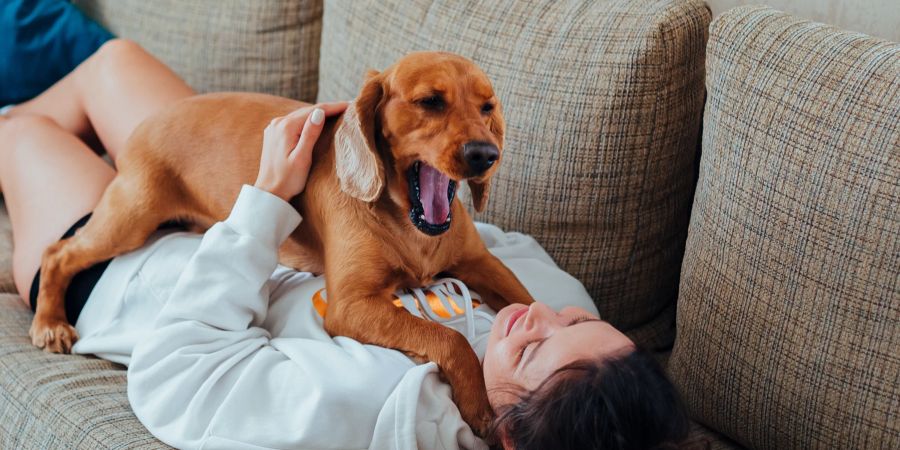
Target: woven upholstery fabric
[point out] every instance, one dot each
(602, 102)
(225, 45)
(60, 401)
(788, 316)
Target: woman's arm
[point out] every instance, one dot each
(209, 375)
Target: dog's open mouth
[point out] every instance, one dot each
(431, 193)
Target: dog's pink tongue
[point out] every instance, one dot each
(433, 187)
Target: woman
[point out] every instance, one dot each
(226, 349)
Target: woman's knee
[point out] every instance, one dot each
(118, 48)
(18, 131)
(27, 123)
(118, 54)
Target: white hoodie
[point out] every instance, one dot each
(226, 349)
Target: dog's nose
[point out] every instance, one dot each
(480, 156)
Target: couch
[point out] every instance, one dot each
(726, 191)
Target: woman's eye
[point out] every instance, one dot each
(487, 107)
(578, 320)
(433, 103)
(522, 351)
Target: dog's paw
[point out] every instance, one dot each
(54, 335)
(469, 393)
(478, 415)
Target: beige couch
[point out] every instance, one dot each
(782, 263)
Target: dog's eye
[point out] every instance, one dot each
(433, 102)
(487, 108)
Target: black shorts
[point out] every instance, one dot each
(82, 283)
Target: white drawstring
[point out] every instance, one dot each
(415, 300)
(467, 298)
(409, 303)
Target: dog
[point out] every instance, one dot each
(380, 210)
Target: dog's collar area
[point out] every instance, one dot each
(417, 212)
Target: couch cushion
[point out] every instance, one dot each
(60, 401)
(6, 276)
(602, 102)
(788, 316)
(225, 45)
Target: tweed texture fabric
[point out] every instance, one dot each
(225, 45)
(602, 102)
(789, 307)
(6, 277)
(50, 401)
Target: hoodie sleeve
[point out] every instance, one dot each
(420, 414)
(209, 376)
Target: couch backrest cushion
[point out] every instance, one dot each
(602, 101)
(225, 45)
(789, 307)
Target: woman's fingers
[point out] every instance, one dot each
(312, 129)
(288, 143)
(331, 109)
(293, 122)
(290, 126)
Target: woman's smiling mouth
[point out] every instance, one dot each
(513, 318)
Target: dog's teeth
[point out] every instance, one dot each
(422, 217)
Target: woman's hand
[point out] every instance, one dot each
(287, 148)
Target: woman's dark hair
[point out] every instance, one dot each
(620, 403)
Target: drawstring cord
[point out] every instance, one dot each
(445, 288)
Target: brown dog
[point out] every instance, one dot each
(379, 208)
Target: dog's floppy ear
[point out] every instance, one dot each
(482, 189)
(480, 193)
(357, 162)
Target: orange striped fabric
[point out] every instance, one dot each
(320, 303)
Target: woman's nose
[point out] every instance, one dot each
(540, 316)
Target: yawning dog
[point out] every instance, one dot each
(379, 208)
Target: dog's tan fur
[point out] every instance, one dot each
(189, 162)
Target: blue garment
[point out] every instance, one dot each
(40, 42)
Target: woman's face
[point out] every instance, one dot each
(528, 343)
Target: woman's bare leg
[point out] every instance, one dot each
(109, 94)
(48, 176)
(49, 179)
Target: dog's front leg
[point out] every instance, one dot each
(491, 279)
(357, 311)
